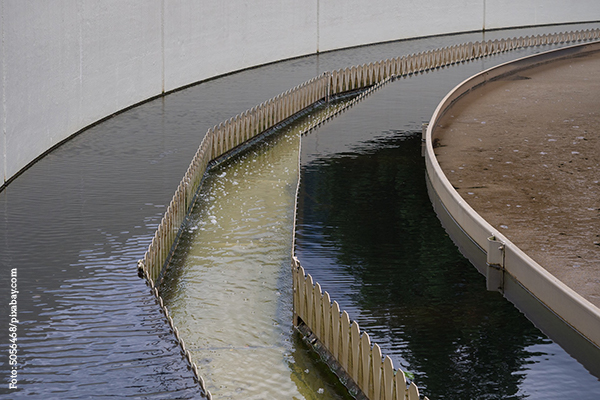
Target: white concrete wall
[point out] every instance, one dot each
(66, 64)
(356, 22)
(2, 101)
(512, 13)
(208, 38)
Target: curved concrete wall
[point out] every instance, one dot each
(505, 13)
(66, 64)
(567, 304)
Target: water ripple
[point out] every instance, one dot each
(76, 222)
(224, 287)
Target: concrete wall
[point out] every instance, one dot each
(208, 38)
(509, 13)
(356, 22)
(66, 64)
(2, 102)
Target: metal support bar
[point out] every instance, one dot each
(424, 127)
(495, 265)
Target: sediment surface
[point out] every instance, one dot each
(524, 153)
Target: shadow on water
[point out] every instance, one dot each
(414, 291)
(367, 232)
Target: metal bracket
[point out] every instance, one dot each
(495, 265)
(423, 135)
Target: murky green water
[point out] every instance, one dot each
(229, 286)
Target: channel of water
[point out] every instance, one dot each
(228, 288)
(76, 222)
(366, 230)
(367, 233)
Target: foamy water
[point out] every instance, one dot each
(229, 287)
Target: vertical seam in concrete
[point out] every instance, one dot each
(318, 23)
(81, 22)
(484, 15)
(3, 57)
(162, 43)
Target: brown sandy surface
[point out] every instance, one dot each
(524, 152)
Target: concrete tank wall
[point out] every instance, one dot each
(66, 64)
(362, 22)
(209, 38)
(509, 13)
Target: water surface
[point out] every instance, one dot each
(228, 286)
(76, 222)
(368, 234)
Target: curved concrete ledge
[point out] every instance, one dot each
(505, 261)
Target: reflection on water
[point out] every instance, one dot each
(367, 233)
(228, 287)
(76, 222)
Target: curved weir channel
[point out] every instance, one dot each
(228, 286)
(75, 224)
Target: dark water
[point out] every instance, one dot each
(367, 233)
(74, 224)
